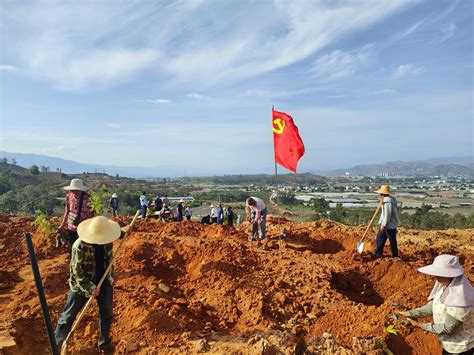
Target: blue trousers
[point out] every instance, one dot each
(75, 302)
(262, 222)
(143, 210)
(391, 234)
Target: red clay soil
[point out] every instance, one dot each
(188, 288)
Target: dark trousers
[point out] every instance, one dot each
(75, 302)
(71, 238)
(260, 223)
(188, 218)
(391, 234)
(468, 352)
(230, 220)
(114, 212)
(180, 217)
(143, 210)
(214, 219)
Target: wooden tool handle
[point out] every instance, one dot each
(83, 311)
(371, 221)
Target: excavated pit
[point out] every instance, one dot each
(188, 288)
(356, 287)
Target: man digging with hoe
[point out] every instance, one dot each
(91, 256)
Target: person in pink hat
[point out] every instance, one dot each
(451, 304)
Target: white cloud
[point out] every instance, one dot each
(100, 68)
(339, 64)
(80, 46)
(406, 70)
(8, 67)
(409, 30)
(447, 31)
(113, 125)
(159, 101)
(196, 96)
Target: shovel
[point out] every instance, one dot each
(360, 245)
(83, 311)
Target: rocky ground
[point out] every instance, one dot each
(190, 288)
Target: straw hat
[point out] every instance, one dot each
(384, 190)
(76, 185)
(212, 206)
(181, 200)
(444, 266)
(114, 195)
(98, 230)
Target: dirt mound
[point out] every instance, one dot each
(188, 288)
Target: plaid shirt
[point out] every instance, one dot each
(83, 268)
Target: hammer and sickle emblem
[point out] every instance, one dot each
(278, 125)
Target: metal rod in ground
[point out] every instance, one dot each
(277, 200)
(42, 298)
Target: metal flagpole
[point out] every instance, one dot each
(277, 194)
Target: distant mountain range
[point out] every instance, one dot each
(73, 167)
(448, 166)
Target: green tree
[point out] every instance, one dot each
(9, 202)
(5, 184)
(99, 201)
(339, 213)
(43, 224)
(287, 198)
(319, 204)
(34, 170)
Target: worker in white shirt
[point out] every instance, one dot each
(257, 206)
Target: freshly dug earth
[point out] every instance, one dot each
(189, 288)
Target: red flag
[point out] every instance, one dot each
(287, 143)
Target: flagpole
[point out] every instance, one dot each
(277, 196)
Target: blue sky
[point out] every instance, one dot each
(192, 83)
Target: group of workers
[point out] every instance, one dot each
(450, 305)
(218, 215)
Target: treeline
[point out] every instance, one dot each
(289, 179)
(27, 191)
(423, 217)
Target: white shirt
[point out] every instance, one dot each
(214, 212)
(462, 339)
(389, 215)
(259, 205)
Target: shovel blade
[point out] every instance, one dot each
(360, 247)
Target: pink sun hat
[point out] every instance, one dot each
(444, 266)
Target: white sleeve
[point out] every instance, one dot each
(460, 313)
(386, 210)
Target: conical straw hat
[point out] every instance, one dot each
(384, 190)
(76, 185)
(98, 230)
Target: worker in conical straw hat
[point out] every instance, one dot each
(388, 222)
(114, 204)
(91, 255)
(76, 210)
(451, 304)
